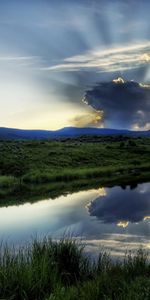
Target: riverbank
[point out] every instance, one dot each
(15, 194)
(49, 270)
(44, 168)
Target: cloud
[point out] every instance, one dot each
(118, 58)
(88, 119)
(17, 58)
(14, 61)
(124, 104)
(118, 208)
(145, 127)
(146, 57)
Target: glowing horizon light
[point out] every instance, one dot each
(49, 60)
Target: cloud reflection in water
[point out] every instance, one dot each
(121, 208)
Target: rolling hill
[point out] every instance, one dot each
(12, 133)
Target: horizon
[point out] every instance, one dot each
(73, 127)
(74, 149)
(82, 64)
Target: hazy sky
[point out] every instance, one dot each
(53, 52)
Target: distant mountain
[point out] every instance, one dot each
(12, 133)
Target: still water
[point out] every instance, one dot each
(114, 218)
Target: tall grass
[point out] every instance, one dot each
(61, 270)
(6, 181)
(70, 174)
(36, 189)
(106, 158)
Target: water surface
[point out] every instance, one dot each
(114, 218)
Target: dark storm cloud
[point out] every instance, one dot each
(125, 104)
(58, 48)
(118, 207)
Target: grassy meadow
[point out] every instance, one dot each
(60, 270)
(52, 270)
(40, 167)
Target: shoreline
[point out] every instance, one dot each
(34, 169)
(31, 192)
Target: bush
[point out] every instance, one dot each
(6, 181)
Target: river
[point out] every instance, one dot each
(114, 218)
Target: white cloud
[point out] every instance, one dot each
(143, 128)
(117, 58)
(16, 58)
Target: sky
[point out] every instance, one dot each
(75, 63)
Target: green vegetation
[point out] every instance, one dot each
(71, 162)
(51, 270)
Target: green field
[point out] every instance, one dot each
(50, 270)
(35, 168)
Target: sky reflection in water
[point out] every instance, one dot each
(115, 218)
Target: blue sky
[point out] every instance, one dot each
(52, 52)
